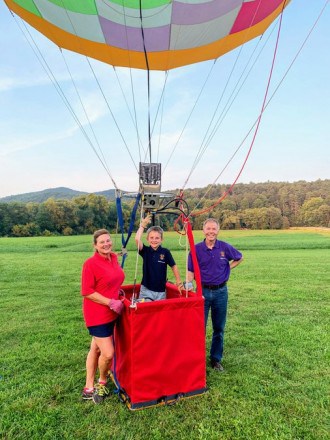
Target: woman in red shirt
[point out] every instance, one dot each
(102, 277)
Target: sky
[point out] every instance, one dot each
(42, 146)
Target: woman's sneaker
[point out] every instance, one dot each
(87, 393)
(101, 391)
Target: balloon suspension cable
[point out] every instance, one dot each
(190, 115)
(162, 103)
(193, 256)
(104, 97)
(183, 236)
(229, 190)
(149, 127)
(160, 110)
(112, 115)
(101, 154)
(34, 47)
(133, 299)
(268, 102)
(134, 115)
(186, 245)
(229, 103)
(215, 123)
(135, 121)
(187, 252)
(148, 79)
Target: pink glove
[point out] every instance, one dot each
(116, 305)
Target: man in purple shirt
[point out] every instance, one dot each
(215, 259)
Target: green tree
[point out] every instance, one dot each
(315, 212)
(27, 230)
(92, 213)
(44, 218)
(5, 220)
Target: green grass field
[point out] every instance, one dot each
(276, 383)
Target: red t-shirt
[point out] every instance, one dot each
(104, 276)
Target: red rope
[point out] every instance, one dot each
(193, 256)
(203, 211)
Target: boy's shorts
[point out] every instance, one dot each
(150, 295)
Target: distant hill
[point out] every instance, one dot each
(60, 193)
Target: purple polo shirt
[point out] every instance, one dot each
(214, 263)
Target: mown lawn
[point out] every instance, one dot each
(276, 383)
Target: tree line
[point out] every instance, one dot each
(253, 206)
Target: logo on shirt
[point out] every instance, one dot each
(222, 254)
(162, 257)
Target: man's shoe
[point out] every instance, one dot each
(217, 366)
(100, 393)
(87, 394)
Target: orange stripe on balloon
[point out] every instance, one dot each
(157, 60)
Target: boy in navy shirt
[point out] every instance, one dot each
(155, 262)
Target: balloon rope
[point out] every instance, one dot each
(149, 127)
(229, 103)
(107, 102)
(203, 211)
(60, 91)
(137, 254)
(104, 97)
(160, 110)
(88, 120)
(189, 116)
(186, 260)
(194, 257)
(139, 143)
(214, 126)
(112, 114)
(148, 80)
(131, 111)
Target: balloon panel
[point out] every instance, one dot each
(166, 33)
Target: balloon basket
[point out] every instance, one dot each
(160, 349)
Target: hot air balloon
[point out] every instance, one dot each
(149, 34)
(153, 35)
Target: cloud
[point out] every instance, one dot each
(24, 142)
(12, 83)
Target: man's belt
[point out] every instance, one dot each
(214, 286)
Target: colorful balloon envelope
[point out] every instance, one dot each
(149, 34)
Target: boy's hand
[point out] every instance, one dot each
(145, 221)
(188, 285)
(180, 287)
